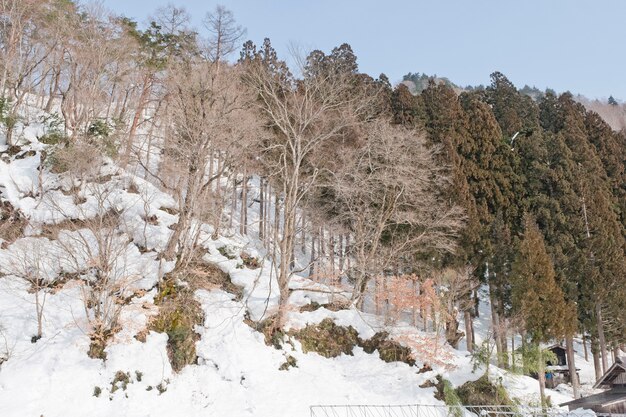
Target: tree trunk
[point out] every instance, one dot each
(347, 253)
(331, 253)
(219, 203)
(524, 347)
(414, 307)
(504, 342)
(233, 203)
(601, 338)
(495, 323)
(341, 254)
(595, 351)
(268, 219)
(303, 233)
(469, 340)
(243, 222)
(541, 373)
(276, 220)
(585, 348)
(54, 86)
(261, 209)
(312, 261)
(287, 242)
(569, 349)
(321, 254)
(39, 305)
(133, 127)
(513, 364)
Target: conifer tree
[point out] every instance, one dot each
(536, 297)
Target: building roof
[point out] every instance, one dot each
(617, 368)
(606, 398)
(556, 347)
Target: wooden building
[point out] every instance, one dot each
(558, 372)
(611, 401)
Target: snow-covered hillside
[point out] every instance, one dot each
(237, 373)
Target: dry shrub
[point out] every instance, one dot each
(250, 261)
(51, 231)
(200, 274)
(388, 350)
(12, 222)
(80, 159)
(327, 339)
(429, 348)
(336, 305)
(272, 335)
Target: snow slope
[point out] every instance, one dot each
(236, 374)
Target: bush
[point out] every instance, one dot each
(53, 133)
(482, 391)
(6, 118)
(98, 343)
(200, 274)
(272, 335)
(250, 261)
(12, 222)
(54, 138)
(99, 134)
(99, 128)
(227, 252)
(327, 339)
(445, 392)
(80, 158)
(388, 350)
(178, 315)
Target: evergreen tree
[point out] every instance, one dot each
(536, 298)
(514, 111)
(406, 107)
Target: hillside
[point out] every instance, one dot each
(236, 372)
(186, 233)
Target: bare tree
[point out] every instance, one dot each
(32, 260)
(208, 120)
(458, 285)
(86, 74)
(224, 34)
(386, 193)
(168, 35)
(304, 116)
(97, 251)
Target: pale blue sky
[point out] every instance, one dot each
(563, 44)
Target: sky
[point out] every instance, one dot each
(566, 45)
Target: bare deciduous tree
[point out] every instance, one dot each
(32, 261)
(304, 116)
(386, 194)
(209, 121)
(224, 34)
